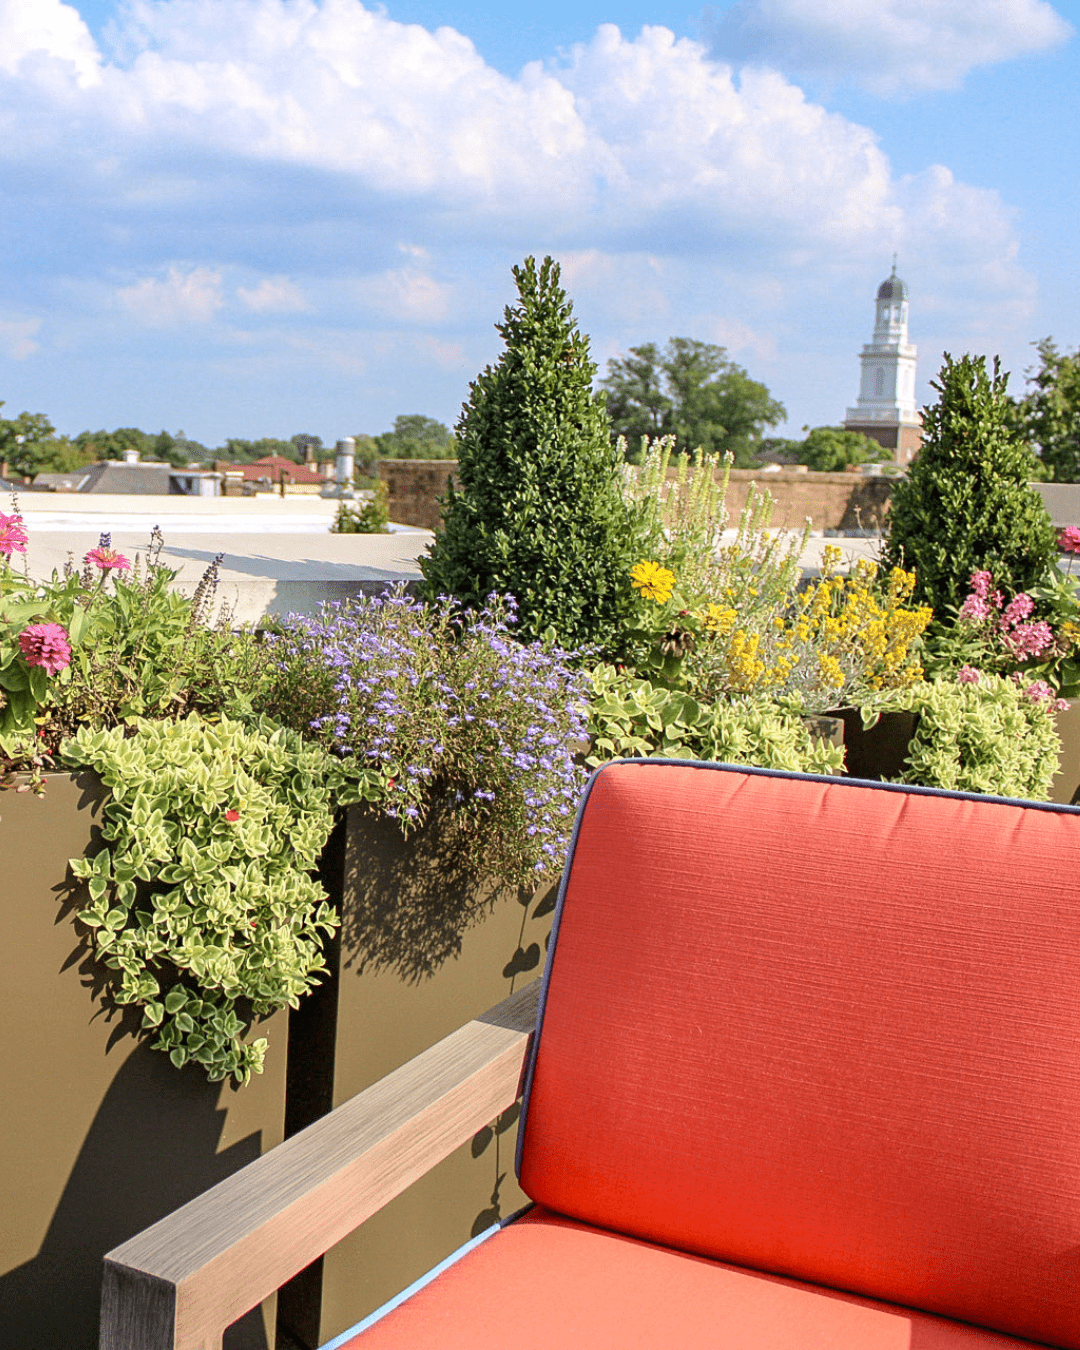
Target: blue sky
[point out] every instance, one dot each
(258, 217)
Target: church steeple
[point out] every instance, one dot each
(885, 409)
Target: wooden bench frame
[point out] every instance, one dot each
(178, 1284)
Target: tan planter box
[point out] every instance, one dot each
(99, 1134)
(423, 950)
(1066, 785)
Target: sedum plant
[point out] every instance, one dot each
(200, 899)
(629, 717)
(987, 734)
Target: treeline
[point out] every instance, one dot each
(30, 444)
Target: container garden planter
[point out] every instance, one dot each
(424, 946)
(100, 1134)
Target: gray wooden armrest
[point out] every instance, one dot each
(179, 1283)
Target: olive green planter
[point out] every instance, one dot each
(99, 1134)
(1066, 785)
(423, 948)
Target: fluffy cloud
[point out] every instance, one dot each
(17, 337)
(273, 295)
(887, 46)
(284, 148)
(180, 297)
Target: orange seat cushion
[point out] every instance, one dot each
(547, 1283)
(825, 1030)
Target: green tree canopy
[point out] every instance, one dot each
(539, 511)
(832, 449)
(1050, 413)
(967, 504)
(246, 452)
(692, 391)
(30, 446)
(416, 437)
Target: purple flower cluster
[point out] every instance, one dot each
(433, 703)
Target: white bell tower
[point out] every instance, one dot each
(885, 409)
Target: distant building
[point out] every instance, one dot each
(265, 475)
(133, 477)
(885, 409)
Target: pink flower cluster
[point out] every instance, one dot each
(1020, 639)
(1040, 692)
(46, 645)
(1069, 539)
(12, 535)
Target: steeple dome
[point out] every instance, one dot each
(892, 288)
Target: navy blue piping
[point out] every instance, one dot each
(910, 789)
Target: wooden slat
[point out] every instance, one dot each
(229, 1248)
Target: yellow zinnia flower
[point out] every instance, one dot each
(653, 581)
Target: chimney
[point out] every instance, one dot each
(131, 456)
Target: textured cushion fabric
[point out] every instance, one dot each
(822, 1029)
(548, 1283)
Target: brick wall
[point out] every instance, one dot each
(833, 501)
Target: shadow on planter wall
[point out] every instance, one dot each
(99, 1135)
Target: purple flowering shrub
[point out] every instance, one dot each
(425, 705)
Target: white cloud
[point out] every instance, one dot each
(17, 337)
(273, 295)
(887, 46)
(376, 180)
(406, 293)
(180, 297)
(43, 34)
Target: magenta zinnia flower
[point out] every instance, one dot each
(12, 534)
(107, 558)
(46, 645)
(1069, 539)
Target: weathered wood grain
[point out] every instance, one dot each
(231, 1247)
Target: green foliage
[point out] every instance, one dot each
(415, 437)
(539, 513)
(201, 900)
(692, 391)
(239, 451)
(832, 449)
(31, 446)
(137, 649)
(366, 515)
(1050, 413)
(302, 440)
(630, 717)
(966, 505)
(990, 736)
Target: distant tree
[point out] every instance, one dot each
(692, 391)
(112, 444)
(967, 504)
(303, 439)
(416, 437)
(1050, 412)
(246, 452)
(31, 446)
(539, 512)
(832, 449)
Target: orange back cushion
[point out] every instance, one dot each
(822, 1029)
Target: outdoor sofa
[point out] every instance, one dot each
(806, 1074)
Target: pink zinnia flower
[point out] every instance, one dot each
(12, 534)
(232, 817)
(968, 675)
(107, 558)
(1069, 539)
(46, 645)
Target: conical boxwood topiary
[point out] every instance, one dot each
(539, 513)
(967, 504)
